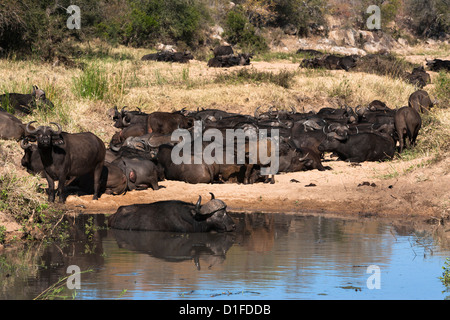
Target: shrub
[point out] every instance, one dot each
(301, 13)
(239, 31)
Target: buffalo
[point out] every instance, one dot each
(420, 101)
(359, 147)
(222, 51)
(407, 125)
(241, 59)
(113, 180)
(167, 122)
(11, 127)
(418, 77)
(25, 103)
(174, 216)
(140, 173)
(68, 155)
(169, 56)
(438, 64)
(331, 62)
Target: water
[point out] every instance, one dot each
(270, 256)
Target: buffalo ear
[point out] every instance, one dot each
(57, 140)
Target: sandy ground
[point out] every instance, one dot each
(346, 190)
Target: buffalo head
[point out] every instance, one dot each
(45, 136)
(215, 214)
(40, 98)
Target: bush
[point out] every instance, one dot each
(142, 23)
(428, 18)
(239, 31)
(301, 13)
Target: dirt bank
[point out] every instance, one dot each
(369, 189)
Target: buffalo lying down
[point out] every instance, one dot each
(174, 216)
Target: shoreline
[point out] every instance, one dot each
(346, 191)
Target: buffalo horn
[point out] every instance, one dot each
(27, 128)
(335, 136)
(24, 144)
(58, 126)
(197, 205)
(304, 158)
(125, 122)
(212, 195)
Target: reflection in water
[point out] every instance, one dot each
(270, 256)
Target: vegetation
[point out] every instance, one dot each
(283, 78)
(445, 278)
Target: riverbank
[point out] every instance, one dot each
(369, 189)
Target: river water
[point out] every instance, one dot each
(270, 256)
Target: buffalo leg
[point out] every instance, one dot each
(97, 176)
(61, 184)
(51, 188)
(401, 141)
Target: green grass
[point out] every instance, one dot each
(92, 83)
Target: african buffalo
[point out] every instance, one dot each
(169, 56)
(68, 155)
(11, 127)
(187, 172)
(418, 77)
(125, 118)
(174, 216)
(25, 103)
(222, 51)
(140, 173)
(167, 122)
(420, 101)
(359, 147)
(438, 64)
(241, 59)
(135, 130)
(113, 180)
(407, 125)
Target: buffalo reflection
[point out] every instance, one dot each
(176, 247)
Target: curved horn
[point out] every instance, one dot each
(58, 126)
(212, 195)
(122, 112)
(336, 136)
(125, 122)
(197, 205)
(24, 145)
(304, 158)
(27, 128)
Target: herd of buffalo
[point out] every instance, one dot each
(139, 153)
